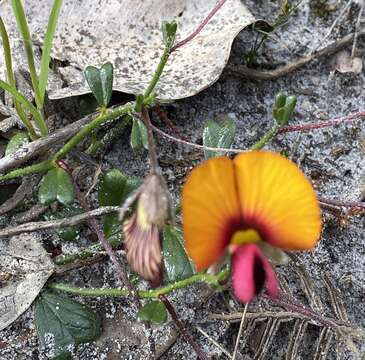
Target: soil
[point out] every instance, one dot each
(334, 158)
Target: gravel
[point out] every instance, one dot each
(333, 157)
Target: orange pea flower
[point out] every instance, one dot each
(257, 201)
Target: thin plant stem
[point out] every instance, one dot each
(213, 280)
(343, 203)
(158, 73)
(323, 124)
(200, 27)
(266, 138)
(190, 144)
(185, 334)
(214, 342)
(151, 142)
(57, 224)
(239, 332)
(122, 274)
(32, 109)
(357, 28)
(257, 146)
(92, 250)
(121, 271)
(88, 128)
(33, 169)
(168, 51)
(28, 46)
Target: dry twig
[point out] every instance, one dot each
(56, 224)
(248, 73)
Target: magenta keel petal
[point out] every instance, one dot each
(251, 272)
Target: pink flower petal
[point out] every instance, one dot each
(251, 271)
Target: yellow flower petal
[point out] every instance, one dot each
(277, 200)
(210, 210)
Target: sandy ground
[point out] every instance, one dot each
(334, 158)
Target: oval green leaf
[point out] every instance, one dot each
(176, 261)
(139, 139)
(112, 229)
(16, 142)
(56, 185)
(154, 311)
(62, 324)
(100, 82)
(218, 134)
(112, 188)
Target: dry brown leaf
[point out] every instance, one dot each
(127, 33)
(24, 269)
(344, 63)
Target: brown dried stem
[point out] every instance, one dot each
(248, 73)
(57, 224)
(341, 203)
(188, 338)
(155, 169)
(121, 271)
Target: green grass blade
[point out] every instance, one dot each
(48, 39)
(28, 46)
(7, 53)
(11, 79)
(27, 104)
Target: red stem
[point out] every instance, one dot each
(341, 203)
(121, 272)
(163, 117)
(322, 124)
(188, 338)
(200, 27)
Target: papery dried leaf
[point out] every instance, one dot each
(344, 63)
(25, 267)
(128, 34)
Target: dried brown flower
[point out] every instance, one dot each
(142, 230)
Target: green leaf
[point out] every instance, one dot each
(112, 188)
(16, 142)
(62, 324)
(218, 134)
(139, 137)
(112, 229)
(68, 233)
(100, 82)
(169, 33)
(177, 263)
(283, 108)
(56, 185)
(133, 183)
(46, 50)
(280, 100)
(23, 28)
(291, 102)
(154, 311)
(87, 104)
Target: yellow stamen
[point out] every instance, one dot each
(142, 218)
(245, 237)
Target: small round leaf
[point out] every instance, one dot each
(154, 311)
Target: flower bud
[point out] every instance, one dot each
(142, 230)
